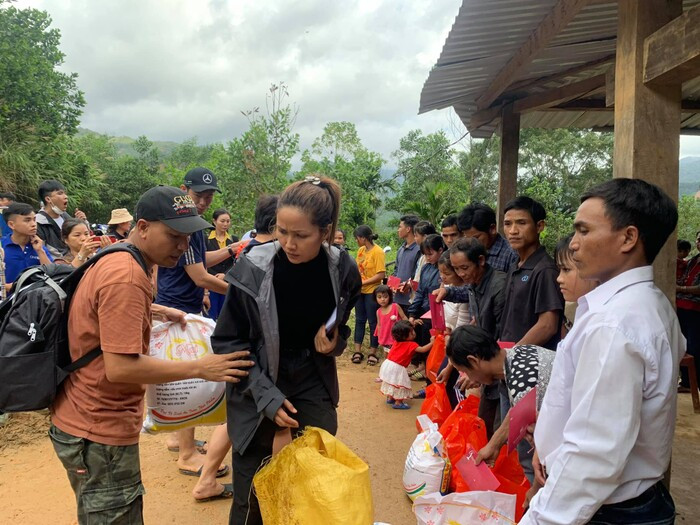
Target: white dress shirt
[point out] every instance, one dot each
(606, 426)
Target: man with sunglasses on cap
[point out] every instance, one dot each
(97, 415)
(183, 286)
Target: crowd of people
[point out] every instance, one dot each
(606, 375)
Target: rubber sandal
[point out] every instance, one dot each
(198, 444)
(420, 394)
(227, 493)
(223, 470)
(390, 400)
(417, 376)
(401, 406)
(357, 357)
(372, 360)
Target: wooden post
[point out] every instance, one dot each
(508, 164)
(647, 118)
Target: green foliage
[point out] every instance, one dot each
(688, 219)
(35, 97)
(260, 160)
(339, 153)
(433, 206)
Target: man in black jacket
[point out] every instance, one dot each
(54, 201)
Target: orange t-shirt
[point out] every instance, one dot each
(112, 309)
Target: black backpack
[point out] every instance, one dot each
(34, 354)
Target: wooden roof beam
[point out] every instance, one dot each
(558, 18)
(559, 95)
(594, 104)
(535, 82)
(672, 53)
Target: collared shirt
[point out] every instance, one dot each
(18, 259)
(501, 256)
(406, 262)
(531, 289)
(606, 426)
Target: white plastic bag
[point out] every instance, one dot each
(190, 402)
(465, 508)
(427, 467)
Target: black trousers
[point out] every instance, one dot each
(300, 381)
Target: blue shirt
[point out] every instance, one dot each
(175, 288)
(429, 281)
(18, 259)
(4, 228)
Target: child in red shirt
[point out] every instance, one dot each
(396, 384)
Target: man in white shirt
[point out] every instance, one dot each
(605, 430)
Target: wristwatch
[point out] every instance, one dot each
(230, 250)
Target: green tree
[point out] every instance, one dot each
(688, 219)
(339, 153)
(433, 205)
(35, 97)
(261, 159)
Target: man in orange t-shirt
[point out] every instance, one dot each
(97, 416)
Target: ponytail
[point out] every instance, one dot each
(317, 197)
(365, 232)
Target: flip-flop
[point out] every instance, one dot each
(227, 493)
(223, 470)
(417, 376)
(401, 406)
(198, 444)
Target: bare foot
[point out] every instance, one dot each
(191, 462)
(207, 489)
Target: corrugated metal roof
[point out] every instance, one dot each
(487, 33)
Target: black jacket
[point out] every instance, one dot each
(248, 321)
(49, 232)
(225, 265)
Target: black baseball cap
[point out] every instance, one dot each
(201, 179)
(171, 206)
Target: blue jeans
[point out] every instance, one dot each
(653, 507)
(366, 310)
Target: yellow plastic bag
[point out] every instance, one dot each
(315, 480)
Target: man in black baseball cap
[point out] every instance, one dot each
(97, 416)
(201, 180)
(182, 286)
(171, 206)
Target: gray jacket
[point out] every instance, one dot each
(248, 321)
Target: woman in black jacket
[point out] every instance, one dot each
(219, 238)
(288, 303)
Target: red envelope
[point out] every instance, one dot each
(522, 415)
(393, 282)
(506, 344)
(414, 285)
(437, 314)
(478, 477)
(427, 315)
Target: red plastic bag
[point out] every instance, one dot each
(463, 426)
(513, 481)
(436, 405)
(435, 358)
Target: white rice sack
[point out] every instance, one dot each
(190, 402)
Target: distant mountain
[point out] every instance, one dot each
(689, 176)
(124, 145)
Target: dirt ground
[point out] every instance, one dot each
(36, 491)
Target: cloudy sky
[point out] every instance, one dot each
(174, 69)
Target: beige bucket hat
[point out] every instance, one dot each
(119, 216)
